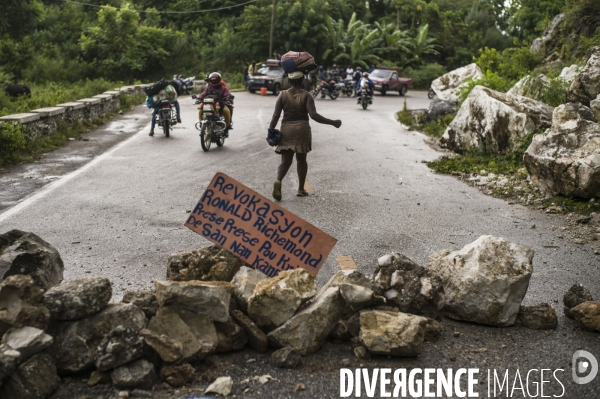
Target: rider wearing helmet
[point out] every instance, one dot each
(369, 90)
(215, 87)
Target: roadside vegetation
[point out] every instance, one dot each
(16, 147)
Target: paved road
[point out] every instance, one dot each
(121, 215)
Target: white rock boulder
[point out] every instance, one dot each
(586, 85)
(566, 158)
(276, 299)
(244, 283)
(485, 281)
(310, 327)
(392, 333)
(446, 87)
(493, 122)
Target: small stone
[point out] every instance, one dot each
(123, 394)
(287, 358)
(168, 349)
(362, 353)
(98, 377)
(178, 375)
(588, 314)
(538, 317)
(346, 362)
(139, 373)
(27, 341)
(221, 386)
(299, 387)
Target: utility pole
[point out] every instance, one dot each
(272, 28)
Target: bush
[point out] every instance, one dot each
(422, 77)
(12, 142)
(489, 79)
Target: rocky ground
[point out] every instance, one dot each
(581, 223)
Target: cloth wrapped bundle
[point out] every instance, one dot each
(168, 93)
(298, 61)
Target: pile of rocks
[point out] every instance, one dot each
(66, 328)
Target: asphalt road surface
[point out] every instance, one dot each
(121, 214)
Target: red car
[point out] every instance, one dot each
(387, 80)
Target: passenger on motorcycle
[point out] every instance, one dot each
(216, 88)
(356, 77)
(359, 87)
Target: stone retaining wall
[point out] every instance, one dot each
(44, 121)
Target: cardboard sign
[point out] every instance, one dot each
(257, 230)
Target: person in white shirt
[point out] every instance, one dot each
(349, 73)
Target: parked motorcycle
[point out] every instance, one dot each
(348, 88)
(431, 93)
(212, 125)
(166, 117)
(187, 85)
(323, 89)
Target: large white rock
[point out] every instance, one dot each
(309, 328)
(569, 73)
(393, 333)
(244, 283)
(539, 44)
(566, 158)
(209, 297)
(446, 87)
(586, 85)
(493, 122)
(529, 86)
(276, 299)
(485, 281)
(195, 332)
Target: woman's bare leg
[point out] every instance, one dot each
(302, 168)
(287, 157)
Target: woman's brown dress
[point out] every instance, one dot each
(295, 130)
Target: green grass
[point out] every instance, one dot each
(50, 94)
(574, 205)
(476, 162)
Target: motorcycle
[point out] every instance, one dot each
(166, 116)
(323, 88)
(212, 125)
(364, 98)
(187, 85)
(431, 93)
(348, 88)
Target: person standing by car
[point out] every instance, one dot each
(356, 77)
(296, 137)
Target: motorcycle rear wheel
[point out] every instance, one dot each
(334, 95)
(205, 136)
(315, 93)
(365, 103)
(166, 127)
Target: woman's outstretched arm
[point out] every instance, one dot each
(312, 111)
(277, 112)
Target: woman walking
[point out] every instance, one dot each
(297, 104)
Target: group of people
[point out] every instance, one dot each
(334, 74)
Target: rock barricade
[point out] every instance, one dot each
(409, 287)
(276, 299)
(211, 263)
(392, 333)
(77, 299)
(26, 253)
(485, 281)
(493, 122)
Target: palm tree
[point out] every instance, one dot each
(393, 40)
(340, 38)
(365, 49)
(422, 45)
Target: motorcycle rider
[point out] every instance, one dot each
(177, 84)
(156, 109)
(369, 90)
(216, 87)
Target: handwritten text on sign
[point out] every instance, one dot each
(257, 230)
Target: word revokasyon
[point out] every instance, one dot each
(266, 236)
(441, 383)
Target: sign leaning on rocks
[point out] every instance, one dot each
(257, 230)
